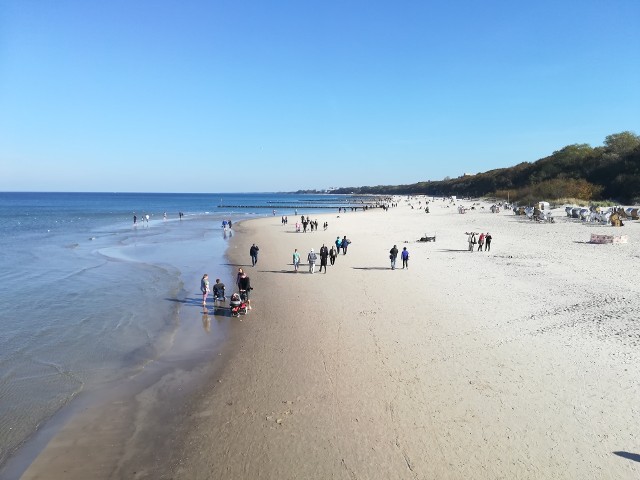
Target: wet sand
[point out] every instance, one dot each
(521, 362)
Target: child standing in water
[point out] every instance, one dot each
(204, 287)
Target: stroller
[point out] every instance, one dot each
(238, 304)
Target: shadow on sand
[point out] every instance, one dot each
(279, 271)
(372, 268)
(631, 456)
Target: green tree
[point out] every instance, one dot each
(621, 143)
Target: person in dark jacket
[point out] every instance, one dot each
(393, 254)
(244, 285)
(345, 244)
(253, 252)
(324, 255)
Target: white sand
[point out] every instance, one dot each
(521, 362)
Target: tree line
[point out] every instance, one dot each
(608, 172)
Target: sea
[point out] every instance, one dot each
(88, 298)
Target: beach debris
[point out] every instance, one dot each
(279, 421)
(602, 239)
(428, 238)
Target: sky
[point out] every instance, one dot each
(261, 96)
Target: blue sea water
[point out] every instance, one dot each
(87, 296)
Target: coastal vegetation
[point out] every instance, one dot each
(607, 172)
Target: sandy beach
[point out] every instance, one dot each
(519, 362)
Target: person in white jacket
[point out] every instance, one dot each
(312, 258)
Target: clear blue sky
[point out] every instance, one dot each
(219, 96)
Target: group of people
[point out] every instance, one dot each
(312, 224)
(342, 243)
(483, 241)
(205, 288)
(404, 255)
(145, 218)
(243, 283)
(326, 255)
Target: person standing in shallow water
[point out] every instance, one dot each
(204, 288)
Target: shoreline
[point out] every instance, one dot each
(183, 354)
(441, 371)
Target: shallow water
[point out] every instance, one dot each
(88, 298)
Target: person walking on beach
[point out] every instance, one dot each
(312, 258)
(204, 288)
(296, 260)
(405, 257)
(345, 244)
(244, 286)
(253, 252)
(472, 241)
(487, 242)
(393, 254)
(324, 255)
(332, 255)
(480, 242)
(338, 244)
